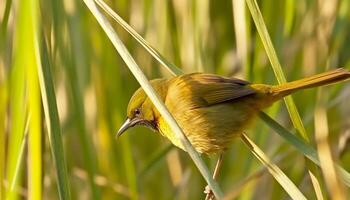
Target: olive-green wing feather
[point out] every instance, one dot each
(202, 90)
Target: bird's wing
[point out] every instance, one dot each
(202, 90)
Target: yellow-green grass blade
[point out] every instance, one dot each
(14, 184)
(277, 68)
(34, 138)
(289, 16)
(301, 146)
(274, 170)
(52, 123)
(167, 64)
(3, 105)
(153, 95)
(30, 8)
(17, 100)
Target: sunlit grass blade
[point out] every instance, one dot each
(240, 24)
(17, 99)
(274, 170)
(52, 122)
(141, 78)
(301, 146)
(34, 104)
(323, 149)
(168, 65)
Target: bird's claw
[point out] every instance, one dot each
(209, 193)
(207, 190)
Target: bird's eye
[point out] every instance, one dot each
(137, 111)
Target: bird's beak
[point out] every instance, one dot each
(127, 124)
(124, 127)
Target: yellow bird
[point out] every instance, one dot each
(212, 110)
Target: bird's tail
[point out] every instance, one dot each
(325, 78)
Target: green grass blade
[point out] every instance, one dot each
(34, 104)
(301, 146)
(88, 153)
(53, 124)
(275, 171)
(153, 96)
(168, 65)
(276, 66)
(130, 170)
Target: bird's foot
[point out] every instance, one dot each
(209, 193)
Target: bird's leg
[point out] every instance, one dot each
(207, 189)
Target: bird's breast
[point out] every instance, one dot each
(209, 129)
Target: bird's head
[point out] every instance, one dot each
(141, 110)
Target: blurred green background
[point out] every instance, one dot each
(93, 85)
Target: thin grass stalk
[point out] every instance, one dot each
(277, 68)
(324, 151)
(301, 146)
(141, 78)
(252, 178)
(172, 68)
(34, 104)
(274, 170)
(52, 122)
